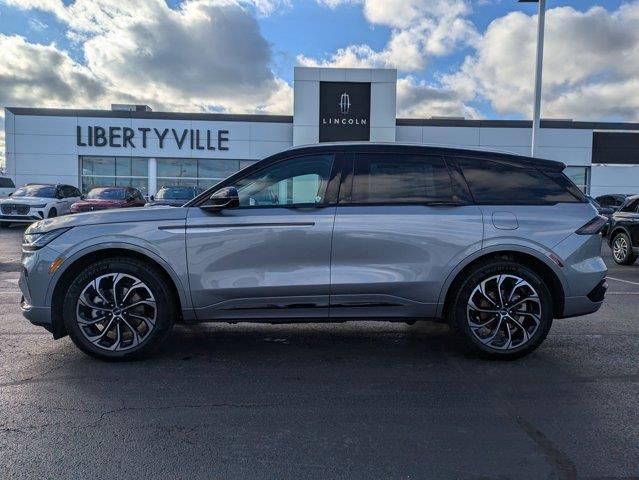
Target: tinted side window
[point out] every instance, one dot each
(6, 183)
(631, 206)
(68, 191)
(501, 181)
(297, 181)
(400, 178)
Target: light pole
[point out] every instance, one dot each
(541, 17)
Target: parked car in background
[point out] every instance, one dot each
(104, 198)
(7, 187)
(613, 200)
(605, 211)
(496, 245)
(36, 201)
(174, 196)
(623, 236)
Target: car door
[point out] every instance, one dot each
(403, 222)
(628, 218)
(269, 258)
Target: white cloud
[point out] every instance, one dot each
(420, 29)
(43, 75)
(206, 55)
(591, 64)
(417, 99)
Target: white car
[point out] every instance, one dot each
(34, 202)
(6, 187)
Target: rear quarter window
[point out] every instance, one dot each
(494, 181)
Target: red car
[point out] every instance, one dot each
(103, 198)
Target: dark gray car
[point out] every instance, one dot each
(496, 245)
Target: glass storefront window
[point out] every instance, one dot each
(177, 182)
(122, 167)
(217, 168)
(177, 167)
(139, 167)
(133, 171)
(114, 171)
(580, 177)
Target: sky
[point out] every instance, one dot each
(471, 58)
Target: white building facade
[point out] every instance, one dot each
(135, 146)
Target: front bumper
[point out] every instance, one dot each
(34, 284)
(40, 316)
(21, 218)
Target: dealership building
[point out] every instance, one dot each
(133, 145)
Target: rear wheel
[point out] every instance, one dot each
(622, 252)
(502, 309)
(119, 309)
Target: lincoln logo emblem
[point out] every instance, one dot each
(344, 103)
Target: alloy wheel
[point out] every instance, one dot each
(504, 312)
(620, 249)
(116, 312)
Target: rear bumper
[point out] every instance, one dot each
(583, 305)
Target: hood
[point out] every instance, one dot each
(99, 202)
(173, 203)
(26, 200)
(124, 215)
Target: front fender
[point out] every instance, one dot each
(170, 255)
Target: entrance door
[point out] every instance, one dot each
(269, 258)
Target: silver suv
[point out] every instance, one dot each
(496, 245)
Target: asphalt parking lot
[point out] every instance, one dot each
(357, 400)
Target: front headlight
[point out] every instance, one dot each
(38, 206)
(35, 241)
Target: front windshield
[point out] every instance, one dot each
(175, 193)
(106, 194)
(44, 191)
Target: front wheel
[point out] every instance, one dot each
(52, 213)
(502, 309)
(622, 252)
(119, 309)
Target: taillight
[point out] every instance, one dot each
(594, 226)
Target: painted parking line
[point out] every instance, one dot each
(622, 280)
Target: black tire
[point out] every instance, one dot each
(459, 315)
(52, 213)
(4, 224)
(620, 255)
(166, 307)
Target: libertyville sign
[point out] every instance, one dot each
(125, 137)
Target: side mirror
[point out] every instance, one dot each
(10, 194)
(224, 198)
(83, 196)
(152, 198)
